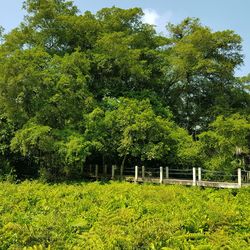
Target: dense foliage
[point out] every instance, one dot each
(83, 88)
(122, 216)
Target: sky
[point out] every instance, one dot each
(216, 14)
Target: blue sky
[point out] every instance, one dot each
(217, 14)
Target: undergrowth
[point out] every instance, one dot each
(116, 215)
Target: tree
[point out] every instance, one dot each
(220, 144)
(6, 133)
(81, 87)
(35, 143)
(125, 55)
(201, 75)
(22, 83)
(36, 85)
(130, 129)
(44, 24)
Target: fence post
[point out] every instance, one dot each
(239, 177)
(199, 174)
(105, 170)
(194, 176)
(161, 175)
(113, 172)
(143, 172)
(136, 174)
(167, 173)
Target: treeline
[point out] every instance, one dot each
(106, 88)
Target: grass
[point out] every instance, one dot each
(117, 215)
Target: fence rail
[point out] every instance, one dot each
(166, 175)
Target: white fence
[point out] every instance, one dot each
(166, 175)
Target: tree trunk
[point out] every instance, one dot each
(122, 166)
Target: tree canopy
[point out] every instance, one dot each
(80, 88)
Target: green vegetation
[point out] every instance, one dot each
(105, 88)
(122, 216)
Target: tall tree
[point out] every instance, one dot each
(201, 75)
(80, 87)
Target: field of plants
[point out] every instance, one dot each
(114, 215)
(104, 87)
